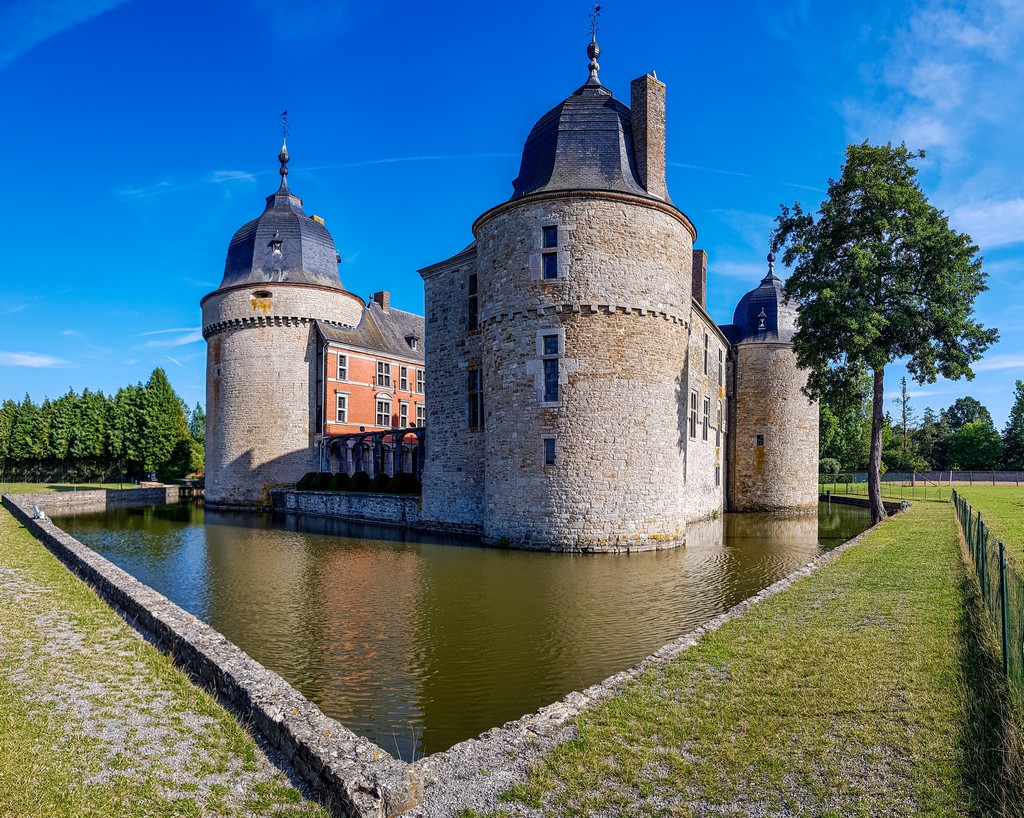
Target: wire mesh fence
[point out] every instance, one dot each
(856, 485)
(1002, 588)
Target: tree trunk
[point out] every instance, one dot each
(875, 459)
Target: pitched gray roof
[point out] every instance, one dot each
(380, 330)
(585, 143)
(283, 244)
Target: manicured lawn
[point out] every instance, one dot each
(35, 488)
(1002, 509)
(95, 721)
(864, 689)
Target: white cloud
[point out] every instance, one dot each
(27, 23)
(190, 336)
(30, 359)
(1006, 360)
(219, 176)
(991, 223)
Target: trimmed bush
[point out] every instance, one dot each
(828, 467)
(322, 481)
(306, 481)
(360, 481)
(339, 482)
(844, 478)
(404, 483)
(379, 484)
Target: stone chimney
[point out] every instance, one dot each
(647, 101)
(383, 298)
(700, 278)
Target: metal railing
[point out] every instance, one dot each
(891, 489)
(1002, 589)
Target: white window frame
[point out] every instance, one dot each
(421, 414)
(693, 414)
(384, 373)
(403, 378)
(342, 367)
(419, 381)
(384, 411)
(706, 422)
(341, 407)
(403, 414)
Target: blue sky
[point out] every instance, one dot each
(140, 135)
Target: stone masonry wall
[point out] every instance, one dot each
(453, 468)
(261, 372)
(620, 308)
(706, 449)
(781, 474)
(63, 503)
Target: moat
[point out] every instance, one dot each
(419, 642)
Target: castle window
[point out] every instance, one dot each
(474, 400)
(261, 294)
(421, 414)
(403, 379)
(550, 265)
(760, 440)
(342, 411)
(384, 413)
(419, 381)
(550, 237)
(549, 451)
(403, 414)
(343, 367)
(721, 367)
(707, 341)
(718, 428)
(549, 352)
(693, 414)
(718, 475)
(383, 374)
(707, 417)
(472, 323)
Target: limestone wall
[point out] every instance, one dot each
(619, 308)
(261, 372)
(63, 503)
(706, 458)
(779, 472)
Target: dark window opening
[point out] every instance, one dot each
(550, 265)
(760, 440)
(550, 237)
(549, 451)
(471, 305)
(475, 399)
(551, 380)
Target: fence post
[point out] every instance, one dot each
(1002, 601)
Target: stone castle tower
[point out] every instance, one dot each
(566, 327)
(262, 367)
(774, 440)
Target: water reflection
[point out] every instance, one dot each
(419, 642)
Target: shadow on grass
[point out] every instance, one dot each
(990, 752)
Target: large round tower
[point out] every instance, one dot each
(584, 280)
(774, 426)
(281, 275)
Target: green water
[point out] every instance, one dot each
(419, 642)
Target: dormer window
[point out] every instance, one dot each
(760, 319)
(275, 244)
(413, 341)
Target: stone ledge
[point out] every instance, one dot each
(355, 777)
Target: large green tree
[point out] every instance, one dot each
(975, 445)
(966, 410)
(1013, 433)
(880, 276)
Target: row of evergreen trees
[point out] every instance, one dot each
(142, 429)
(962, 436)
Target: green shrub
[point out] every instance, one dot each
(404, 483)
(306, 481)
(339, 482)
(360, 481)
(829, 468)
(844, 478)
(379, 484)
(322, 481)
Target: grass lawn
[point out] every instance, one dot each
(95, 721)
(38, 488)
(863, 690)
(1002, 509)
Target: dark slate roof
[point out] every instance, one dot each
(585, 143)
(380, 330)
(306, 252)
(763, 314)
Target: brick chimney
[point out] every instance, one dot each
(700, 278)
(647, 102)
(383, 298)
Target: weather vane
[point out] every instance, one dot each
(284, 124)
(593, 22)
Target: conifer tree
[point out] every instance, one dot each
(1013, 433)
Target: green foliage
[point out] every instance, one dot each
(1013, 433)
(163, 422)
(880, 276)
(975, 445)
(360, 481)
(339, 482)
(404, 483)
(828, 467)
(931, 439)
(379, 484)
(322, 481)
(966, 410)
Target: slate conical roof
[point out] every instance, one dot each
(283, 244)
(584, 143)
(764, 314)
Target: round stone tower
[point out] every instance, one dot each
(281, 275)
(584, 280)
(774, 426)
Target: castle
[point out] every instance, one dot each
(579, 396)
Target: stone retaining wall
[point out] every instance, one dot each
(356, 777)
(63, 503)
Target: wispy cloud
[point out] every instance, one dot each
(175, 361)
(27, 23)
(185, 335)
(992, 223)
(1006, 360)
(742, 175)
(30, 359)
(13, 308)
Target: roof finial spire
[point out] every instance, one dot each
(771, 267)
(283, 157)
(594, 50)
